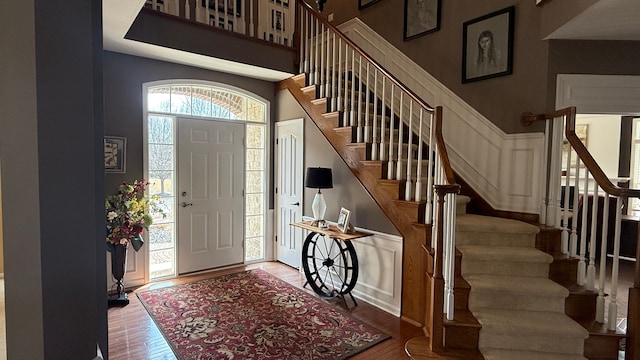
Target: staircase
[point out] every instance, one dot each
(513, 292)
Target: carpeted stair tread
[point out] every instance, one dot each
(505, 354)
(529, 323)
(480, 223)
(540, 287)
(504, 253)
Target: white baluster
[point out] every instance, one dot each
(418, 196)
(613, 304)
(359, 112)
(338, 100)
(591, 269)
(401, 156)
(345, 107)
(573, 238)
(383, 121)
(451, 241)
(408, 186)
(352, 107)
(367, 124)
(390, 167)
(333, 88)
(374, 140)
(321, 78)
(565, 211)
(582, 264)
(432, 154)
(603, 260)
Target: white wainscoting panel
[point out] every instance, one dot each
(481, 153)
(380, 270)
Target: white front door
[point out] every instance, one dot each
(289, 175)
(210, 194)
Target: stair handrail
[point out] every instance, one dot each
(590, 163)
(362, 53)
(558, 216)
(321, 47)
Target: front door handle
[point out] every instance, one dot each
(296, 204)
(185, 204)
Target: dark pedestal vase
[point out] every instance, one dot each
(118, 268)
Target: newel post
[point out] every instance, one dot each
(632, 348)
(436, 309)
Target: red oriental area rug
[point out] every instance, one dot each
(253, 315)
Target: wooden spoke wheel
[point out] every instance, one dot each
(330, 265)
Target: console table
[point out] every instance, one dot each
(329, 261)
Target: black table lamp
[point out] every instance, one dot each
(318, 178)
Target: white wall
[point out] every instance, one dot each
(603, 139)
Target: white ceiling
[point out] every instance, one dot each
(118, 15)
(605, 20)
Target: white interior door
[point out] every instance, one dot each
(289, 188)
(210, 194)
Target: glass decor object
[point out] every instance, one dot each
(318, 178)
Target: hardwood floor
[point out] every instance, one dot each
(134, 336)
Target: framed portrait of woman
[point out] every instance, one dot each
(487, 46)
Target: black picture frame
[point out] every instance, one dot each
(495, 32)
(366, 3)
(421, 17)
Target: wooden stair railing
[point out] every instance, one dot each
(392, 142)
(582, 242)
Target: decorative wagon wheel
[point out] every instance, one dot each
(330, 265)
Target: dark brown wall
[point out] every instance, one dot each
(502, 100)
(124, 76)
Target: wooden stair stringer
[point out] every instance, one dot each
(413, 268)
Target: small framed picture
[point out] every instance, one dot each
(115, 155)
(487, 46)
(421, 17)
(343, 220)
(364, 3)
(277, 19)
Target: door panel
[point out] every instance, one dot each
(289, 185)
(211, 189)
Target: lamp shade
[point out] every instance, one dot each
(318, 178)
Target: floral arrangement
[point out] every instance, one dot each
(128, 214)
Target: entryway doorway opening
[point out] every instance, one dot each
(167, 105)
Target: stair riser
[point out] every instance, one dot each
(556, 344)
(471, 266)
(495, 239)
(531, 302)
(601, 347)
(580, 306)
(461, 337)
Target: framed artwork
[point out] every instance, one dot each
(487, 46)
(421, 17)
(115, 154)
(364, 3)
(277, 19)
(343, 220)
